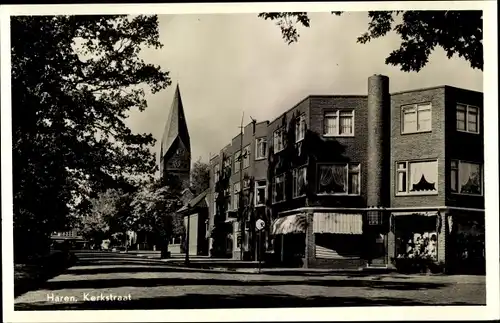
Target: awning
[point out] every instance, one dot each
(339, 223)
(295, 223)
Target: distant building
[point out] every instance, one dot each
(175, 151)
(345, 181)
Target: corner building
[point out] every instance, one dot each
(347, 181)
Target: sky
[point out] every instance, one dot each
(230, 64)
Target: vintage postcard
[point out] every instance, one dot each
(246, 162)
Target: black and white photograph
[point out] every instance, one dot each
(231, 160)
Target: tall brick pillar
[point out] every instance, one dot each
(310, 252)
(377, 168)
(378, 141)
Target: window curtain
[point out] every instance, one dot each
(424, 118)
(423, 176)
(301, 181)
(330, 125)
(345, 123)
(332, 179)
(470, 178)
(410, 120)
(354, 179)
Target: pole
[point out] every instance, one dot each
(259, 247)
(240, 207)
(186, 261)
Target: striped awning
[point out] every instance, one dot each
(339, 223)
(295, 223)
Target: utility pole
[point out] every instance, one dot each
(240, 200)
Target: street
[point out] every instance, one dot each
(101, 280)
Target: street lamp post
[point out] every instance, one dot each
(186, 260)
(240, 208)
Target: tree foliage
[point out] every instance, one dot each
(457, 32)
(74, 80)
(153, 210)
(200, 177)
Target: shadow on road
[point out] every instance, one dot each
(154, 282)
(197, 301)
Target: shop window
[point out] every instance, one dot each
(416, 236)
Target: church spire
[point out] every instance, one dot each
(176, 126)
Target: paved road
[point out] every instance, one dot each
(134, 283)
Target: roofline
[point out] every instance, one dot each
(435, 88)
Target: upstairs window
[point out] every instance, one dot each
(418, 177)
(466, 177)
(236, 195)
(278, 140)
(279, 188)
(299, 181)
(339, 123)
(216, 173)
(467, 118)
(237, 161)
(246, 157)
(260, 193)
(300, 128)
(339, 179)
(416, 118)
(260, 148)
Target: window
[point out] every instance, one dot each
(236, 195)
(260, 193)
(467, 118)
(401, 174)
(278, 138)
(339, 123)
(299, 181)
(339, 179)
(466, 178)
(227, 162)
(237, 161)
(416, 118)
(215, 203)
(246, 157)
(418, 177)
(260, 148)
(300, 128)
(216, 173)
(279, 188)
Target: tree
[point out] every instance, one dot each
(200, 177)
(109, 216)
(153, 210)
(457, 32)
(74, 79)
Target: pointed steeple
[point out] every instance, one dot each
(176, 126)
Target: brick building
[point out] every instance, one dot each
(351, 180)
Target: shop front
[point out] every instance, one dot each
(320, 239)
(444, 241)
(466, 242)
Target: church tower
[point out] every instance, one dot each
(175, 151)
